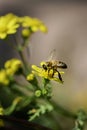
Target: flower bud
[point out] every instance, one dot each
(26, 33)
(38, 93)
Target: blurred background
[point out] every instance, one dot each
(67, 33)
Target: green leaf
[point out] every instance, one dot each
(24, 102)
(12, 107)
(42, 109)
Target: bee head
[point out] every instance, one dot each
(43, 64)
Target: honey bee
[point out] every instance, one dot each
(54, 65)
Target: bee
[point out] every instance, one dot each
(54, 65)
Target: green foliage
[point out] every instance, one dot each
(41, 109)
(80, 120)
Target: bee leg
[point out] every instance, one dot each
(59, 75)
(52, 74)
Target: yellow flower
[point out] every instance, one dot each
(4, 77)
(30, 77)
(45, 74)
(12, 66)
(8, 25)
(43, 28)
(26, 21)
(33, 24)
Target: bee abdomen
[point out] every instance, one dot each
(62, 65)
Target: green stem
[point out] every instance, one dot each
(25, 43)
(20, 47)
(26, 70)
(45, 82)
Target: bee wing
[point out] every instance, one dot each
(52, 55)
